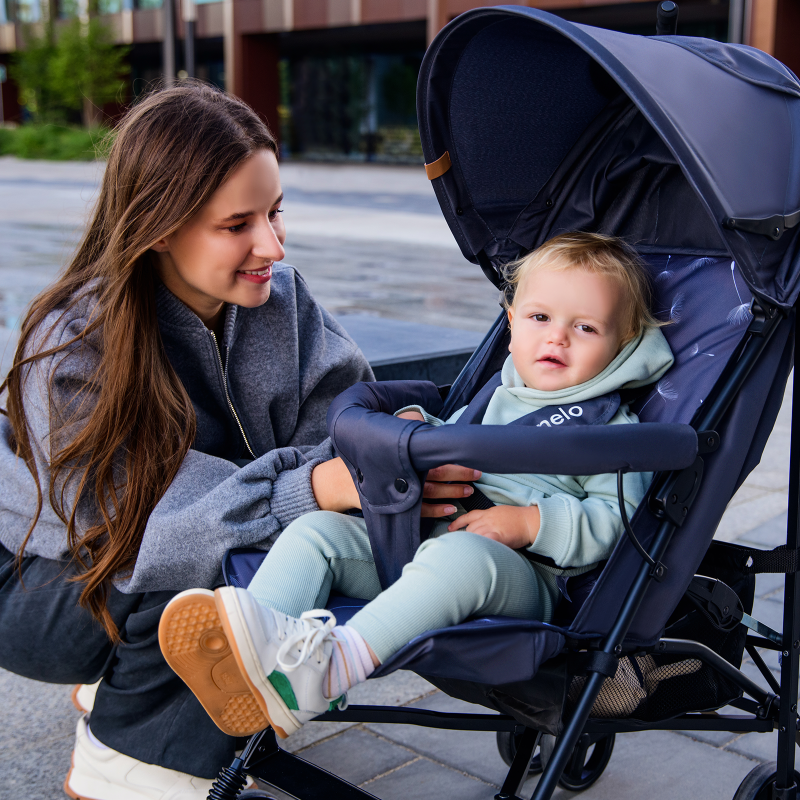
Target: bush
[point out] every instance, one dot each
(54, 142)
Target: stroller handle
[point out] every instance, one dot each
(584, 450)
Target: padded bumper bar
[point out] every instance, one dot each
(388, 457)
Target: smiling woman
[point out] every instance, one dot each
(167, 402)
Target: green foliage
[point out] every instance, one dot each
(31, 70)
(55, 142)
(87, 67)
(75, 69)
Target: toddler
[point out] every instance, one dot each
(580, 330)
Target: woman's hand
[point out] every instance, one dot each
(437, 488)
(514, 526)
(333, 487)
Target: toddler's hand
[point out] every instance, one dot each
(411, 415)
(513, 526)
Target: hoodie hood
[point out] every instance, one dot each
(643, 360)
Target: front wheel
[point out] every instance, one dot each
(587, 762)
(758, 783)
(507, 747)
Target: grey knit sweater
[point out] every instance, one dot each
(265, 389)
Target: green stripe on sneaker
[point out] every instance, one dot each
(284, 689)
(334, 704)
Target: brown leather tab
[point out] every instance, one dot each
(438, 168)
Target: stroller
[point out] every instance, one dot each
(687, 148)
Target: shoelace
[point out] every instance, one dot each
(311, 632)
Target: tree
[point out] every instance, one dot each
(31, 69)
(75, 69)
(88, 69)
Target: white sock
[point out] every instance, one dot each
(350, 664)
(95, 741)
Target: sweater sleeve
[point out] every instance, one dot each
(579, 531)
(212, 506)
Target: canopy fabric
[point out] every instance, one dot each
(516, 95)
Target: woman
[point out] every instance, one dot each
(172, 351)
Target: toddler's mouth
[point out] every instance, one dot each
(556, 362)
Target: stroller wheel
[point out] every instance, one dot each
(758, 783)
(589, 759)
(507, 747)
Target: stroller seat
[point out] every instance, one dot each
(532, 126)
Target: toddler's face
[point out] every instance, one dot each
(564, 327)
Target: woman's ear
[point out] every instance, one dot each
(161, 246)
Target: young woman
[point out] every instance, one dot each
(167, 402)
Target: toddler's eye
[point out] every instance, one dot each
(541, 317)
(587, 328)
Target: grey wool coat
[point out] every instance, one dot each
(263, 392)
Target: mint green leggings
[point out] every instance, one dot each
(453, 576)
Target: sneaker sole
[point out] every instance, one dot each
(197, 648)
(272, 705)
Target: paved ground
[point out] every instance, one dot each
(368, 240)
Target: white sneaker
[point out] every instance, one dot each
(104, 774)
(281, 659)
(83, 696)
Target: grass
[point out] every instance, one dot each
(53, 142)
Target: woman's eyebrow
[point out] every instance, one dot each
(245, 214)
(238, 215)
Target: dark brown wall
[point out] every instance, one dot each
(257, 68)
(11, 109)
(787, 34)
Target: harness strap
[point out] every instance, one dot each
(781, 561)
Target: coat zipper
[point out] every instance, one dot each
(224, 371)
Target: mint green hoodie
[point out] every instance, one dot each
(580, 519)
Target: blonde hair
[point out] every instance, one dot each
(601, 255)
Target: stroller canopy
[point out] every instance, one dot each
(677, 143)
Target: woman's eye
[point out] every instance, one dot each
(236, 228)
(273, 215)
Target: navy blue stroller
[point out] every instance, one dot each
(690, 150)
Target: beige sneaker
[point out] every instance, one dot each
(83, 696)
(104, 774)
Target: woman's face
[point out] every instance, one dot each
(225, 253)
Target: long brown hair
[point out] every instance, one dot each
(172, 151)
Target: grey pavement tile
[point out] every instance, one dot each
(358, 756)
(715, 738)
(422, 779)
(739, 520)
(759, 746)
(399, 688)
(39, 778)
(768, 584)
(666, 766)
(769, 534)
(473, 752)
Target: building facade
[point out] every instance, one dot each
(336, 78)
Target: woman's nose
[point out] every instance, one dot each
(268, 243)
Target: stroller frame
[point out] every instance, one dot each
(671, 494)
(765, 709)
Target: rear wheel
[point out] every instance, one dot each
(507, 747)
(587, 763)
(758, 783)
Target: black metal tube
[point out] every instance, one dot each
(567, 740)
(787, 717)
(751, 352)
(667, 18)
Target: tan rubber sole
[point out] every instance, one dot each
(255, 693)
(197, 647)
